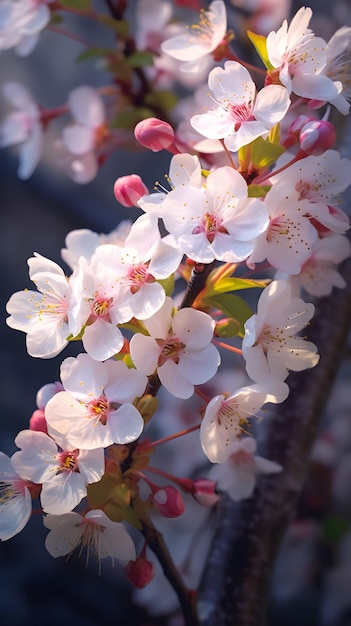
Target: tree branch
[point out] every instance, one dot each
(234, 586)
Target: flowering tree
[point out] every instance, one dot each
(250, 205)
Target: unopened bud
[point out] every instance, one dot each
(316, 137)
(168, 501)
(205, 492)
(294, 130)
(140, 572)
(129, 189)
(155, 134)
(46, 392)
(38, 422)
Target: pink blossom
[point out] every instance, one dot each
(22, 128)
(96, 409)
(237, 475)
(179, 348)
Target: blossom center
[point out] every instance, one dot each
(100, 307)
(204, 29)
(138, 275)
(272, 338)
(68, 461)
(279, 227)
(210, 224)
(99, 409)
(241, 113)
(171, 348)
(101, 134)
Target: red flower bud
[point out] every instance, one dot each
(129, 189)
(141, 571)
(204, 492)
(155, 134)
(38, 421)
(168, 501)
(316, 137)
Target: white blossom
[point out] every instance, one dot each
(241, 115)
(64, 473)
(226, 417)
(238, 474)
(15, 500)
(178, 347)
(270, 345)
(96, 409)
(22, 128)
(93, 532)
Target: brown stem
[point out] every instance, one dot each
(233, 591)
(196, 283)
(186, 597)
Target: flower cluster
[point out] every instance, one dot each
(155, 302)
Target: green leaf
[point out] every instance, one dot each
(140, 58)
(225, 285)
(231, 306)
(56, 18)
(259, 42)
(128, 118)
(164, 100)
(258, 191)
(80, 5)
(167, 284)
(121, 27)
(227, 328)
(264, 153)
(93, 53)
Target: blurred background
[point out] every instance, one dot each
(312, 582)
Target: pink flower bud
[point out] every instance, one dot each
(38, 421)
(316, 137)
(293, 134)
(141, 571)
(204, 492)
(155, 134)
(168, 501)
(129, 189)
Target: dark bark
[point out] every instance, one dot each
(235, 582)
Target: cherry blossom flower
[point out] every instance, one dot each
(319, 273)
(179, 348)
(22, 128)
(63, 473)
(299, 58)
(98, 308)
(15, 500)
(83, 242)
(143, 260)
(96, 409)
(21, 21)
(240, 115)
(94, 532)
(152, 17)
(338, 66)
(262, 15)
(43, 314)
(237, 475)
(197, 42)
(82, 139)
(320, 180)
(289, 237)
(225, 418)
(216, 221)
(270, 345)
